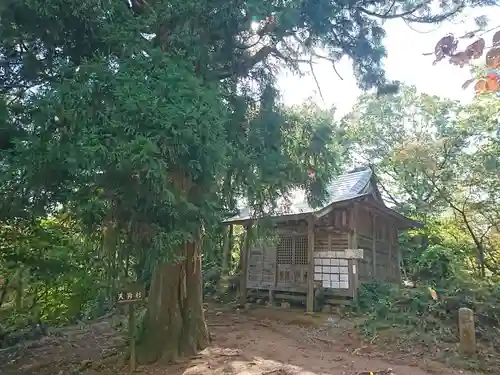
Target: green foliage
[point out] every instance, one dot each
(411, 315)
(411, 312)
(434, 158)
(57, 272)
(129, 130)
(437, 265)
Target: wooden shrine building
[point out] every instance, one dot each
(352, 239)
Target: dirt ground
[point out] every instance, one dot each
(262, 341)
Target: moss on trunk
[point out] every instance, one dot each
(174, 325)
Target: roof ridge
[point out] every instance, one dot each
(359, 169)
(342, 187)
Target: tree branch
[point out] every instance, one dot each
(405, 15)
(461, 212)
(315, 79)
(391, 197)
(387, 16)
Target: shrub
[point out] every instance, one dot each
(413, 309)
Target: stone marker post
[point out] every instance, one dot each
(467, 331)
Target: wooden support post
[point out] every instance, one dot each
(225, 250)
(271, 297)
(353, 277)
(274, 251)
(310, 263)
(353, 263)
(354, 226)
(131, 331)
(129, 295)
(244, 264)
(374, 245)
(226, 253)
(353, 268)
(392, 275)
(467, 331)
(400, 261)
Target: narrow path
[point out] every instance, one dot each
(259, 342)
(244, 345)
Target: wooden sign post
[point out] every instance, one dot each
(130, 295)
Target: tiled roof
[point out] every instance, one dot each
(345, 187)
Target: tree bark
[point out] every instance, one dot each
(174, 325)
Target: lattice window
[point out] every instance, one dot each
(284, 250)
(300, 255)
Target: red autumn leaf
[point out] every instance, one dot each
(475, 50)
(446, 46)
(460, 59)
(496, 39)
(493, 58)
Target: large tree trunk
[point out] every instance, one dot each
(175, 323)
